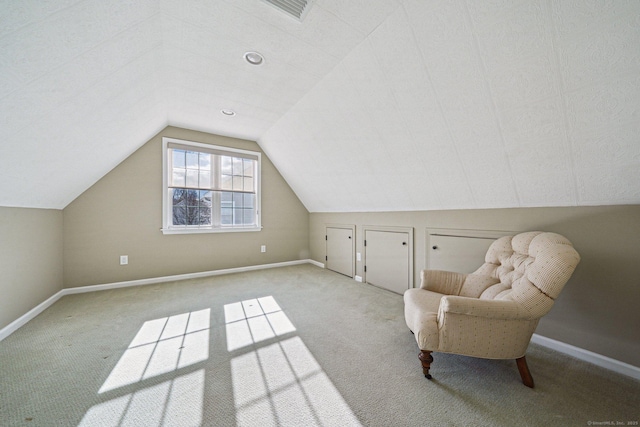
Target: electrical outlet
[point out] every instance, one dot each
(263, 248)
(124, 259)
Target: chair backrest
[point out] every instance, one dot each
(530, 268)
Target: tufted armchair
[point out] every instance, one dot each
(492, 312)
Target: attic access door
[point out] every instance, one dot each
(388, 259)
(462, 251)
(340, 249)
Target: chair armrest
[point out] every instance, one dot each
(490, 309)
(443, 282)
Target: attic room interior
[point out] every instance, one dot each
(453, 122)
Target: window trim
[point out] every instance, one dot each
(166, 205)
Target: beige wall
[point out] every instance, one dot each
(122, 215)
(30, 259)
(597, 311)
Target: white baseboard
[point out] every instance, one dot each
(140, 282)
(22, 320)
(577, 352)
(316, 263)
(588, 356)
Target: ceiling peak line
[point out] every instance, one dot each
(285, 32)
(483, 67)
(450, 134)
(570, 150)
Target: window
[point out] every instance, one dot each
(208, 188)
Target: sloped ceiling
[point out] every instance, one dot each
(366, 105)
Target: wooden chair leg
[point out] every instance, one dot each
(527, 379)
(426, 359)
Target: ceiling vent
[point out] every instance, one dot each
(295, 8)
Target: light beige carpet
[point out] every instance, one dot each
(295, 346)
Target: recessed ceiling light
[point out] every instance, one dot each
(228, 112)
(254, 58)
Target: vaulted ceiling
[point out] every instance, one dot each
(365, 105)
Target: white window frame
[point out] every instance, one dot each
(167, 208)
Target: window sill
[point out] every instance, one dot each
(208, 230)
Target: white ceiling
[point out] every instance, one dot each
(367, 105)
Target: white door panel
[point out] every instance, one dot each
(340, 250)
(462, 251)
(387, 259)
(456, 253)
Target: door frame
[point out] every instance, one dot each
(393, 229)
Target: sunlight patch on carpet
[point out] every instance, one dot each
(162, 346)
(280, 383)
(179, 401)
(254, 320)
(283, 384)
